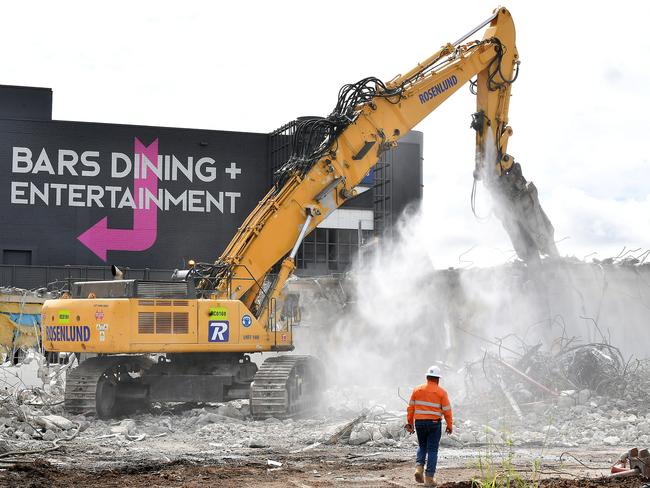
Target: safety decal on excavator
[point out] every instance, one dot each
(64, 317)
(246, 320)
(218, 313)
(218, 331)
(102, 328)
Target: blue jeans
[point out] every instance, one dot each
(428, 433)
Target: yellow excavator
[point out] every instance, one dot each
(203, 326)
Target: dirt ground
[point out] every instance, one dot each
(330, 467)
(42, 475)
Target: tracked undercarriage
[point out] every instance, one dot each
(287, 386)
(116, 385)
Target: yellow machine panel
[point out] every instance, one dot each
(131, 325)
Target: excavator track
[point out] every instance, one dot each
(286, 386)
(98, 385)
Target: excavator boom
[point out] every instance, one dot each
(332, 155)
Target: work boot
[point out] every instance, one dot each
(419, 473)
(428, 481)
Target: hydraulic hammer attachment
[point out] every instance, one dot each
(517, 206)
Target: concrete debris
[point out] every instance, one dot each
(125, 427)
(53, 422)
(573, 396)
(136, 438)
(257, 444)
(344, 433)
(634, 462)
(31, 405)
(40, 293)
(523, 375)
(374, 427)
(560, 394)
(577, 372)
(589, 420)
(612, 441)
(308, 448)
(511, 400)
(575, 418)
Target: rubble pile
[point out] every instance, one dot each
(33, 419)
(229, 427)
(573, 395)
(535, 374)
(28, 295)
(31, 404)
(576, 395)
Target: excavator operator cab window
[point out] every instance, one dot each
(103, 289)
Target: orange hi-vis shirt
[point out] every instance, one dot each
(429, 402)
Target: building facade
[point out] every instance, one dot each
(82, 194)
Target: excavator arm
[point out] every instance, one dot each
(332, 155)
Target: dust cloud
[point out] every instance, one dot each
(389, 327)
(395, 314)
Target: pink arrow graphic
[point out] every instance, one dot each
(100, 239)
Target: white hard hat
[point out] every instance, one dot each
(434, 371)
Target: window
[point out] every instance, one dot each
(330, 249)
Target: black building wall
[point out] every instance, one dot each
(41, 227)
(25, 103)
(64, 186)
(406, 174)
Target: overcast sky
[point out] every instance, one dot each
(580, 109)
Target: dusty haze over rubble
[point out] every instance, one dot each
(402, 314)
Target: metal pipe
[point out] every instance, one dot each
(511, 399)
(476, 29)
(303, 231)
(625, 474)
(525, 376)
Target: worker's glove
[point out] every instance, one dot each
(409, 428)
(449, 430)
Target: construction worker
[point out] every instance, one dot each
(428, 404)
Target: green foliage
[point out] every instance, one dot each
(497, 469)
